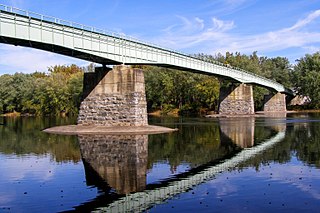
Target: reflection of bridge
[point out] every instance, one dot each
(141, 201)
(19, 27)
(121, 161)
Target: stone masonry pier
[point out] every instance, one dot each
(114, 103)
(236, 100)
(275, 103)
(114, 98)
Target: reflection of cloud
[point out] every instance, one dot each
(223, 187)
(27, 167)
(5, 198)
(216, 36)
(298, 176)
(295, 176)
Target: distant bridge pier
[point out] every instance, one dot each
(236, 100)
(114, 97)
(275, 103)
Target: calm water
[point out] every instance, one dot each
(209, 165)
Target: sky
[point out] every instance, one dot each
(285, 28)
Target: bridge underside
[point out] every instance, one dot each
(58, 49)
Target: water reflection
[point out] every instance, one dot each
(123, 161)
(49, 168)
(239, 130)
(120, 160)
(241, 133)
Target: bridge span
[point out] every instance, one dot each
(23, 28)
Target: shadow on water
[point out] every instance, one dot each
(118, 164)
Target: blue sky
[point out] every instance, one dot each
(286, 28)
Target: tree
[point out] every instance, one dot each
(55, 92)
(306, 78)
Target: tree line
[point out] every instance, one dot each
(52, 93)
(59, 90)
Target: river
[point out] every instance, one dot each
(249, 164)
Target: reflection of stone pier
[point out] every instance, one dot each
(239, 130)
(276, 121)
(120, 160)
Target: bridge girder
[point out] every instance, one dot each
(23, 28)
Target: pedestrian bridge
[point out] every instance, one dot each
(24, 28)
(120, 94)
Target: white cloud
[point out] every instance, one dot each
(192, 32)
(301, 23)
(220, 36)
(222, 26)
(200, 22)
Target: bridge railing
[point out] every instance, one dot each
(121, 39)
(72, 24)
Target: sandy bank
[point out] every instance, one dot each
(132, 130)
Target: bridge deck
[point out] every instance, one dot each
(19, 27)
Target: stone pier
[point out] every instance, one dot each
(114, 98)
(275, 103)
(236, 100)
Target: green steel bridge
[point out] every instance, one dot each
(23, 28)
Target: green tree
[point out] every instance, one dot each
(306, 78)
(57, 91)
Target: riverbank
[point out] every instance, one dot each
(175, 113)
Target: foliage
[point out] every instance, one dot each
(277, 69)
(60, 89)
(167, 89)
(55, 92)
(306, 78)
(189, 92)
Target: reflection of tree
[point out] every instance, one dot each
(22, 136)
(306, 143)
(302, 140)
(194, 144)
